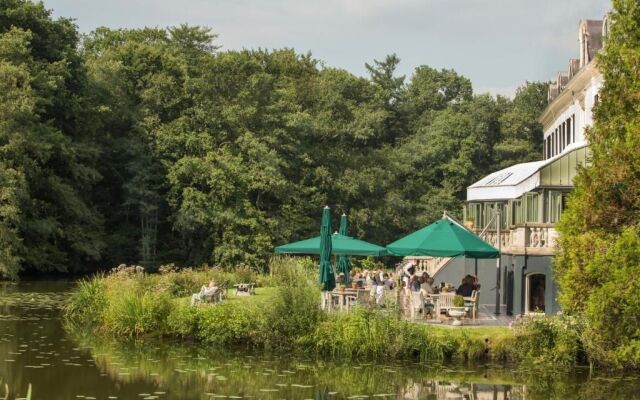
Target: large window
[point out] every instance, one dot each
(532, 202)
(555, 206)
(504, 218)
(516, 212)
(474, 215)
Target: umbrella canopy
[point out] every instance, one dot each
(327, 277)
(344, 265)
(341, 245)
(443, 238)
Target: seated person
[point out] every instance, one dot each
(204, 291)
(467, 287)
(426, 286)
(340, 281)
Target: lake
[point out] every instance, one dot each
(36, 350)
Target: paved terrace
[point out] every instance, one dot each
(486, 317)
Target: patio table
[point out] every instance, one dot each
(342, 297)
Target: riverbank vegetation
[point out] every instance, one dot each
(284, 315)
(151, 146)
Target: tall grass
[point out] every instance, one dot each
(287, 317)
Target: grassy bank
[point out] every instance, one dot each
(284, 315)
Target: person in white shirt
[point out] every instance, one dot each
(204, 291)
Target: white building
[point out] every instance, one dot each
(531, 196)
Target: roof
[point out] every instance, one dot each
(514, 181)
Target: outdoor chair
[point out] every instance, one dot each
(472, 303)
(445, 302)
(416, 304)
(223, 290)
(213, 297)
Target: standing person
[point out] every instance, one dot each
(366, 278)
(405, 298)
(415, 283)
(409, 270)
(378, 282)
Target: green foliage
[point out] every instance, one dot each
(149, 146)
(47, 221)
(292, 312)
(87, 302)
(548, 341)
(131, 313)
(598, 260)
(458, 301)
(292, 271)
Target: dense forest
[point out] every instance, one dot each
(152, 145)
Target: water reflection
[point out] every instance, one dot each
(35, 349)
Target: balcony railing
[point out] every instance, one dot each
(534, 239)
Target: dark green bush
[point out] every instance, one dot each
(548, 341)
(293, 311)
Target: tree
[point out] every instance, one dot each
(521, 133)
(48, 222)
(598, 262)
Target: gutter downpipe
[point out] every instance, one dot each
(498, 226)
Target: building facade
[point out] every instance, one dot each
(532, 196)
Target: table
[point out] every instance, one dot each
(344, 297)
(245, 289)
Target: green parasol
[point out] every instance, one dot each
(327, 277)
(443, 238)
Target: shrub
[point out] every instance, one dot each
(292, 271)
(548, 341)
(294, 311)
(229, 324)
(183, 320)
(132, 311)
(87, 302)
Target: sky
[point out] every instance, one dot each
(498, 44)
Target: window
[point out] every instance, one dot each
(573, 127)
(489, 212)
(555, 206)
(516, 212)
(532, 207)
(474, 215)
(569, 138)
(503, 215)
(499, 178)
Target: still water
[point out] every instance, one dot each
(35, 350)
